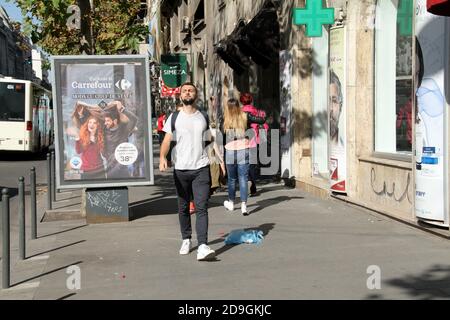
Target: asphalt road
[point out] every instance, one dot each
(14, 165)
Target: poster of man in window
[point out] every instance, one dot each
(337, 113)
(103, 115)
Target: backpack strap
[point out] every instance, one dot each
(205, 115)
(173, 120)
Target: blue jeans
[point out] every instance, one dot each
(237, 167)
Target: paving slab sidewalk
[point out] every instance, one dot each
(313, 249)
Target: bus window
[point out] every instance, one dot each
(12, 101)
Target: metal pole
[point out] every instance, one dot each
(53, 176)
(6, 237)
(49, 182)
(22, 218)
(33, 203)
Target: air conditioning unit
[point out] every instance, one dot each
(185, 24)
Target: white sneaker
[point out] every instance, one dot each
(185, 246)
(229, 205)
(205, 253)
(244, 209)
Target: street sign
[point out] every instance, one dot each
(174, 69)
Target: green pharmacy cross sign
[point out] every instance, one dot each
(405, 17)
(314, 16)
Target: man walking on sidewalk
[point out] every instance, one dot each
(191, 172)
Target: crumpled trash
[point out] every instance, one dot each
(242, 236)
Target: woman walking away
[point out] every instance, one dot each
(256, 119)
(236, 154)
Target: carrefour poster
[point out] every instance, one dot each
(431, 53)
(103, 114)
(337, 111)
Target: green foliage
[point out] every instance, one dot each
(114, 24)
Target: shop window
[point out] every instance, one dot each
(393, 76)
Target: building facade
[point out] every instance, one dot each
(15, 50)
(351, 105)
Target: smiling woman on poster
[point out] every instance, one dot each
(90, 145)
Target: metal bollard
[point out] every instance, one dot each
(22, 218)
(33, 203)
(49, 183)
(6, 238)
(53, 176)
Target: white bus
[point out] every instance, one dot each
(26, 116)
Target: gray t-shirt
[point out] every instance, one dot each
(189, 152)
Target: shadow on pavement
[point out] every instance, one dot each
(62, 247)
(264, 204)
(47, 273)
(433, 283)
(264, 189)
(64, 231)
(155, 207)
(67, 296)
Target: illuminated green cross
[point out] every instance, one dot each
(405, 17)
(314, 16)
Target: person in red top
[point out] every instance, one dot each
(90, 144)
(257, 123)
(161, 122)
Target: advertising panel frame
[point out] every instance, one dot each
(447, 128)
(338, 154)
(431, 187)
(61, 183)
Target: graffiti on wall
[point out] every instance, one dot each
(391, 189)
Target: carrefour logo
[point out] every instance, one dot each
(123, 84)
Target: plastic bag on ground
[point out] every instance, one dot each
(242, 236)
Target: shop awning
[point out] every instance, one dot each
(439, 7)
(230, 53)
(258, 40)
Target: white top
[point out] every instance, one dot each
(189, 152)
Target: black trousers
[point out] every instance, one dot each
(198, 183)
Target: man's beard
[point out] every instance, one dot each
(333, 128)
(188, 102)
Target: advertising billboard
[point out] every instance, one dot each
(430, 125)
(102, 121)
(337, 113)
